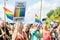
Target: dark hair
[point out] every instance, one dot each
(31, 25)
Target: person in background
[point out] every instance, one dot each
(20, 35)
(46, 33)
(58, 33)
(13, 31)
(31, 31)
(35, 33)
(26, 29)
(4, 32)
(54, 31)
(39, 28)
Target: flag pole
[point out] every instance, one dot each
(4, 11)
(4, 16)
(40, 9)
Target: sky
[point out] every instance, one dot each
(32, 7)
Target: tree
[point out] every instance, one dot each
(54, 14)
(58, 11)
(50, 13)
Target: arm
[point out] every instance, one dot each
(2, 34)
(8, 26)
(14, 35)
(26, 36)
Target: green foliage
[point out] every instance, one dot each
(50, 13)
(55, 13)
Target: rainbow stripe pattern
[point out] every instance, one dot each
(37, 19)
(9, 13)
(19, 12)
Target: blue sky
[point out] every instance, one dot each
(32, 7)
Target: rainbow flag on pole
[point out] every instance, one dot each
(9, 13)
(37, 19)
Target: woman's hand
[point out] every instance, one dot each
(2, 34)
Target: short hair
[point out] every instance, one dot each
(31, 25)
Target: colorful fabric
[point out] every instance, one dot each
(37, 19)
(35, 34)
(19, 12)
(46, 36)
(17, 38)
(23, 36)
(9, 13)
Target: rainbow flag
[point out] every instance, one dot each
(37, 19)
(19, 12)
(9, 13)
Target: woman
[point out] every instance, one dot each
(46, 33)
(54, 31)
(20, 35)
(26, 30)
(35, 34)
(58, 33)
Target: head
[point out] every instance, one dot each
(2, 23)
(31, 26)
(26, 27)
(45, 27)
(20, 26)
(55, 25)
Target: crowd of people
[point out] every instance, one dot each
(20, 31)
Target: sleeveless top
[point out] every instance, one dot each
(46, 36)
